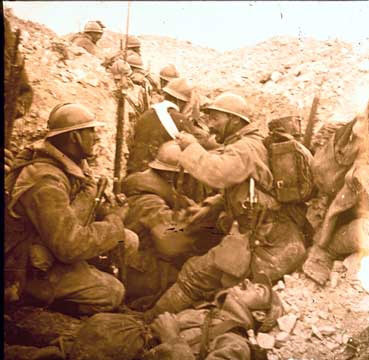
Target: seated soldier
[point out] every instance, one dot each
(88, 39)
(341, 170)
(220, 329)
(49, 197)
(163, 201)
(264, 239)
(150, 133)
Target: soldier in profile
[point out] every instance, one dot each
(91, 34)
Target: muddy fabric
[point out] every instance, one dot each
(84, 40)
(151, 216)
(149, 134)
(245, 156)
(223, 343)
(47, 196)
(110, 336)
(24, 100)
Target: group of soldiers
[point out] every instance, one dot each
(203, 232)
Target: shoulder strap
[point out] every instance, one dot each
(216, 330)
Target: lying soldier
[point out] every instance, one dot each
(219, 330)
(341, 170)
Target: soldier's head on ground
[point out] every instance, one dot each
(71, 128)
(94, 29)
(258, 297)
(168, 73)
(227, 114)
(178, 91)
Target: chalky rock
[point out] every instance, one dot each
(287, 322)
(281, 338)
(265, 341)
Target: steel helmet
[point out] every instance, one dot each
(167, 158)
(135, 61)
(133, 42)
(231, 104)
(169, 72)
(179, 88)
(120, 68)
(94, 26)
(68, 117)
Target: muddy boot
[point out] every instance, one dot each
(318, 265)
(173, 301)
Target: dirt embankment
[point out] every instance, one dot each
(278, 77)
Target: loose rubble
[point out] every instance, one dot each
(278, 77)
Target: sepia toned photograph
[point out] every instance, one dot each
(186, 180)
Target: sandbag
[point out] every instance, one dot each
(108, 336)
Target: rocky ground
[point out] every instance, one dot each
(278, 77)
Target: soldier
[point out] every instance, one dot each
(162, 200)
(50, 197)
(91, 34)
(149, 133)
(222, 329)
(133, 47)
(257, 242)
(122, 72)
(168, 73)
(142, 77)
(341, 170)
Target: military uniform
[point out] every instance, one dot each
(154, 212)
(260, 245)
(84, 40)
(217, 330)
(49, 201)
(149, 134)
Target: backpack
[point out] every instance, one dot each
(290, 164)
(16, 239)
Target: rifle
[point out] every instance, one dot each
(118, 156)
(101, 186)
(311, 123)
(14, 81)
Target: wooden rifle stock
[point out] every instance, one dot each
(101, 186)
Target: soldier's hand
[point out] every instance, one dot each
(184, 139)
(166, 327)
(121, 211)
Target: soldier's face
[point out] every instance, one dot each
(217, 122)
(255, 296)
(96, 36)
(88, 140)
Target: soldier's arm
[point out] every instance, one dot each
(47, 205)
(227, 167)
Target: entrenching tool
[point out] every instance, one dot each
(166, 120)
